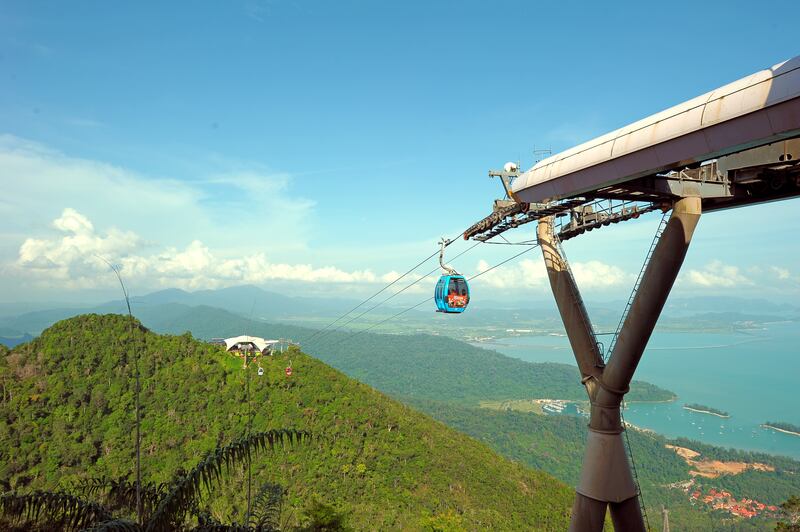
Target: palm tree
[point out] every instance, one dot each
(164, 507)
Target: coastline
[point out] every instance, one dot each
(766, 426)
(740, 431)
(653, 401)
(708, 412)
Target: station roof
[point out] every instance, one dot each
(259, 343)
(754, 111)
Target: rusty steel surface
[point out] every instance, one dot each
(607, 479)
(515, 215)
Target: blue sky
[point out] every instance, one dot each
(321, 146)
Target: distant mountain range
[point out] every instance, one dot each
(254, 302)
(692, 305)
(249, 300)
(12, 341)
(246, 300)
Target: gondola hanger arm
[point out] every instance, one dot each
(449, 270)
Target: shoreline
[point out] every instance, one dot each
(748, 331)
(651, 401)
(708, 412)
(583, 403)
(766, 426)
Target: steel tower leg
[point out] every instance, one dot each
(606, 479)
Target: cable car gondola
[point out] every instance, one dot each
(452, 290)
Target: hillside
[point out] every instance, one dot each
(67, 414)
(410, 365)
(555, 444)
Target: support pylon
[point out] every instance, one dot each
(606, 479)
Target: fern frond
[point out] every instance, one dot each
(115, 525)
(58, 510)
(267, 506)
(219, 527)
(205, 475)
(120, 493)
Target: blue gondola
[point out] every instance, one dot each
(452, 294)
(452, 290)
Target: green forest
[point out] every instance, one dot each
(67, 406)
(444, 378)
(555, 444)
(448, 379)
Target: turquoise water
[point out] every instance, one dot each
(752, 375)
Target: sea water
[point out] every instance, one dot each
(752, 375)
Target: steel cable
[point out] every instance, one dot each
(354, 334)
(447, 243)
(395, 294)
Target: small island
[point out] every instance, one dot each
(694, 407)
(780, 426)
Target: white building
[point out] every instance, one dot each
(239, 344)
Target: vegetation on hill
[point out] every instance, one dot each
(439, 368)
(67, 416)
(791, 511)
(448, 379)
(119, 504)
(770, 487)
(728, 454)
(552, 443)
(555, 444)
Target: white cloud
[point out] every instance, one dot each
(526, 274)
(717, 274)
(235, 222)
(71, 259)
(391, 276)
(532, 274)
(596, 274)
(412, 283)
(251, 203)
(781, 273)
